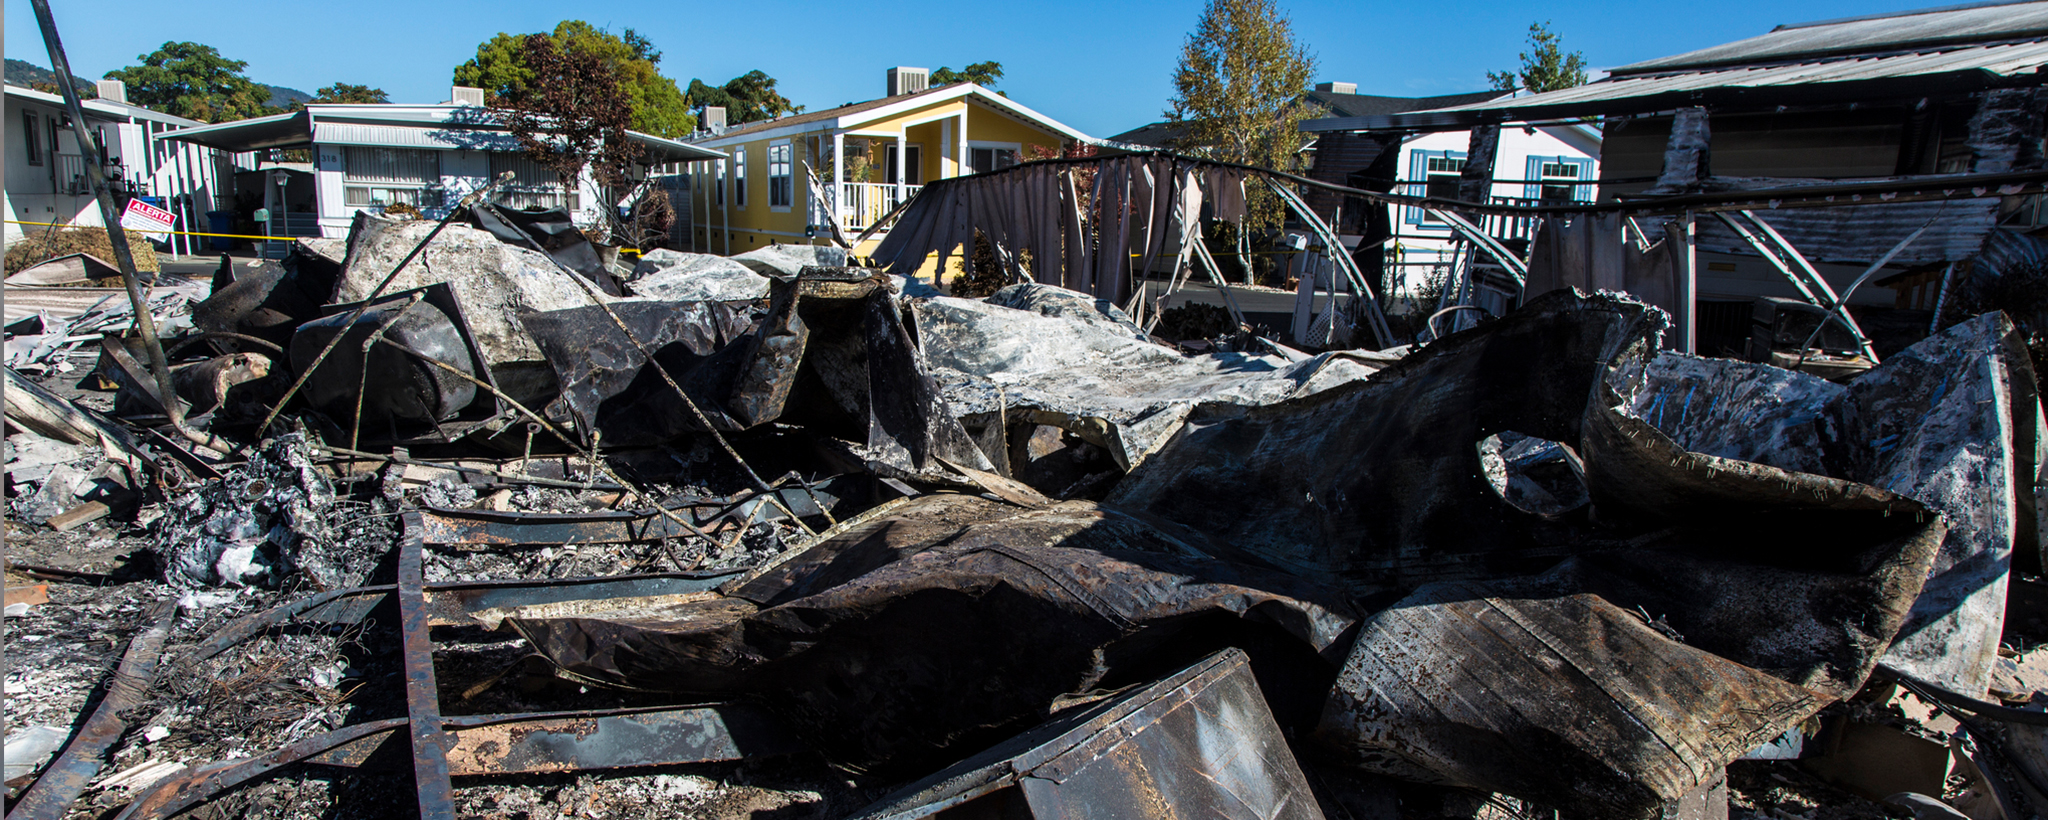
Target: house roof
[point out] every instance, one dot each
(1955, 49)
(423, 126)
(1368, 105)
(1154, 135)
(1352, 108)
(106, 108)
(854, 114)
(1898, 31)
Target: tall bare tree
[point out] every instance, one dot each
(1237, 91)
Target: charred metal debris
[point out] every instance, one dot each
(1015, 556)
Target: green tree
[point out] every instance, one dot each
(981, 74)
(501, 69)
(1545, 66)
(346, 94)
(194, 81)
(749, 97)
(1236, 92)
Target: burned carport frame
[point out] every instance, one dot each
(443, 747)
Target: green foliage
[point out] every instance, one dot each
(982, 74)
(501, 69)
(1545, 66)
(749, 97)
(194, 81)
(1236, 91)
(345, 94)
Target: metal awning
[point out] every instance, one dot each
(398, 127)
(255, 134)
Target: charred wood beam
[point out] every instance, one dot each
(1688, 154)
(1475, 181)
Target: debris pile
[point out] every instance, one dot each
(473, 522)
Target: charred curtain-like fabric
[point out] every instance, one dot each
(1136, 208)
(1593, 252)
(952, 622)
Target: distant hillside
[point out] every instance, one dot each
(281, 96)
(26, 74)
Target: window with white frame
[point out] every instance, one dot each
(1433, 174)
(1559, 179)
(377, 177)
(739, 177)
(533, 185)
(991, 158)
(718, 181)
(780, 182)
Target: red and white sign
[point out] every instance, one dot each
(148, 220)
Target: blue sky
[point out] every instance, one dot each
(1100, 68)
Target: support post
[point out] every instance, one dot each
(901, 170)
(838, 204)
(1686, 236)
(1475, 182)
(960, 147)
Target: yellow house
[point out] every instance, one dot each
(777, 184)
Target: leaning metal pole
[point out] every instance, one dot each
(96, 173)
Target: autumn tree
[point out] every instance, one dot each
(1545, 66)
(574, 115)
(749, 97)
(1236, 93)
(984, 74)
(194, 81)
(657, 106)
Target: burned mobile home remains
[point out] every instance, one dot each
(1654, 510)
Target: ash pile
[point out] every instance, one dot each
(443, 519)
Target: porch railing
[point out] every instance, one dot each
(867, 202)
(70, 175)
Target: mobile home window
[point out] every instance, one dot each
(1442, 174)
(739, 177)
(377, 177)
(990, 159)
(779, 181)
(719, 183)
(1440, 180)
(533, 184)
(1551, 179)
(30, 139)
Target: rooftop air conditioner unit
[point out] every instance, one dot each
(907, 80)
(464, 95)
